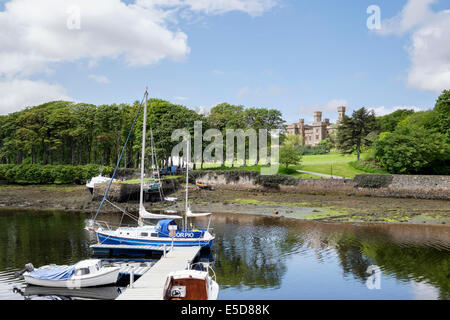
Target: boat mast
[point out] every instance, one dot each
(144, 133)
(187, 178)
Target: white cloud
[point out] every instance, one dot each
(99, 78)
(252, 7)
(430, 55)
(330, 106)
(243, 91)
(35, 34)
(18, 94)
(181, 98)
(382, 111)
(429, 50)
(413, 14)
(218, 72)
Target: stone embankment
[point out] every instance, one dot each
(397, 186)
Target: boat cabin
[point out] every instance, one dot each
(187, 285)
(88, 267)
(169, 228)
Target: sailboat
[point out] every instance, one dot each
(166, 231)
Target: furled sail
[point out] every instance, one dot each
(190, 214)
(144, 214)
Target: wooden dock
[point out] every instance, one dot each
(150, 286)
(111, 249)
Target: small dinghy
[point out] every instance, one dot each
(97, 180)
(86, 273)
(204, 186)
(191, 285)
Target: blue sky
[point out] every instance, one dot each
(295, 56)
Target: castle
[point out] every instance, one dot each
(318, 131)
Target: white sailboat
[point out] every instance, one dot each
(166, 231)
(86, 273)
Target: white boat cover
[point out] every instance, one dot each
(144, 214)
(56, 273)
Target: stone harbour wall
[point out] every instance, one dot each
(397, 186)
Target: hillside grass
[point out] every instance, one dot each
(332, 163)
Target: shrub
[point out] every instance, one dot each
(413, 150)
(50, 174)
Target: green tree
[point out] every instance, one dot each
(442, 109)
(353, 132)
(295, 141)
(289, 156)
(389, 122)
(412, 149)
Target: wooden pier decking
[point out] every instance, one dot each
(150, 286)
(110, 249)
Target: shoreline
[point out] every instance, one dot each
(308, 207)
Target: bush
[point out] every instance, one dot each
(369, 166)
(312, 150)
(413, 150)
(49, 174)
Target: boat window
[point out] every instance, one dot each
(154, 235)
(82, 271)
(144, 234)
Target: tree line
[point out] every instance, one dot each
(78, 134)
(403, 142)
(67, 133)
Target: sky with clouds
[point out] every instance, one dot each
(294, 55)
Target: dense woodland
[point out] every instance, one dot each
(70, 136)
(78, 134)
(403, 142)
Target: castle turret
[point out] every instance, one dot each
(317, 117)
(341, 112)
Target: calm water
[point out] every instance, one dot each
(260, 257)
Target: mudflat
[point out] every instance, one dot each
(329, 208)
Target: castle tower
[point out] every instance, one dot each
(341, 112)
(317, 117)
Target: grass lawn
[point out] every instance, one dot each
(291, 171)
(333, 164)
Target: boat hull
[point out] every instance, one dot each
(100, 279)
(152, 241)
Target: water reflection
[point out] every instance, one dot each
(257, 252)
(260, 257)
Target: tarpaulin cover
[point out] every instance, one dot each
(163, 227)
(57, 273)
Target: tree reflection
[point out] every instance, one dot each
(41, 238)
(251, 253)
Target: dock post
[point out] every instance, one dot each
(132, 277)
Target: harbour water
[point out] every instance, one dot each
(257, 258)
